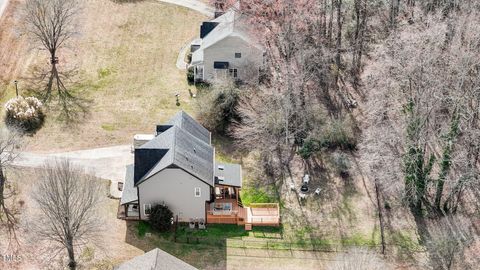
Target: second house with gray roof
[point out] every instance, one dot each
(227, 48)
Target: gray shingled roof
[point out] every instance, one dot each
(186, 122)
(231, 23)
(230, 174)
(185, 151)
(129, 193)
(155, 259)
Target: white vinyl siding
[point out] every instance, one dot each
(175, 188)
(225, 50)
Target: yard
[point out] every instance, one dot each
(124, 60)
(313, 232)
(228, 247)
(107, 250)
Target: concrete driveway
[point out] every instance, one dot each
(106, 163)
(3, 5)
(194, 5)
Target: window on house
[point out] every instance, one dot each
(197, 192)
(147, 209)
(238, 55)
(233, 72)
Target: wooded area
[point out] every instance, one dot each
(424, 59)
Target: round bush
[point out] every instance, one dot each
(24, 114)
(161, 218)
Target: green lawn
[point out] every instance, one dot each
(214, 232)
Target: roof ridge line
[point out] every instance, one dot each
(174, 145)
(156, 258)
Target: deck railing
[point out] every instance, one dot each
(264, 205)
(223, 212)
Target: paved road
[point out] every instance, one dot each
(107, 163)
(192, 4)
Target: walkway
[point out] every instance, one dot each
(181, 64)
(194, 5)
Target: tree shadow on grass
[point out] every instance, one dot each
(61, 93)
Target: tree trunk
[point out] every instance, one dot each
(338, 45)
(2, 187)
(71, 254)
(394, 9)
(360, 28)
(380, 216)
(324, 18)
(330, 24)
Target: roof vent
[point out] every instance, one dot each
(221, 178)
(221, 167)
(194, 150)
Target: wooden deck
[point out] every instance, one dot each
(263, 214)
(258, 215)
(235, 216)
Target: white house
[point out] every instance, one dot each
(176, 167)
(226, 49)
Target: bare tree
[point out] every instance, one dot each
(51, 23)
(68, 200)
(449, 239)
(441, 101)
(10, 142)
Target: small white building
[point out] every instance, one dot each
(226, 50)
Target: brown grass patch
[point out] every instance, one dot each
(125, 57)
